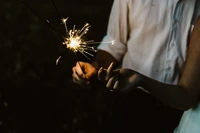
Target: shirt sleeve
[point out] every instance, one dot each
(100, 59)
(117, 30)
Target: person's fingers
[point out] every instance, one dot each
(111, 83)
(109, 71)
(100, 74)
(75, 81)
(82, 83)
(74, 74)
(78, 69)
(116, 85)
(90, 71)
(78, 79)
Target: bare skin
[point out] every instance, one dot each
(183, 96)
(82, 73)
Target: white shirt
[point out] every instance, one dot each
(150, 36)
(190, 121)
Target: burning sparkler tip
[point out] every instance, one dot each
(64, 20)
(76, 43)
(58, 60)
(113, 42)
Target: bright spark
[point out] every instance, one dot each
(75, 42)
(58, 60)
(113, 42)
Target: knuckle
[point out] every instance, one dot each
(74, 69)
(74, 80)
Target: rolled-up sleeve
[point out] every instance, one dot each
(117, 30)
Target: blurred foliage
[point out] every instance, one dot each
(35, 94)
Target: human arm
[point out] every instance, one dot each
(117, 30)
(107, 52)
(185, 94)
(83, 72)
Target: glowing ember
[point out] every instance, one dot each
(74, 40)
(73, 43)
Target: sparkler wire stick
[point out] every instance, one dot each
(54, 5)
(46, 21)
(63, 22)
(73, 39)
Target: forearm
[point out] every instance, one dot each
(187, 93)
(174, 95)
(103, 59)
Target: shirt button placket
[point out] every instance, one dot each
(171, 42)
(169, 68)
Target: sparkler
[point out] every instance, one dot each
(75, 42)
(73, 39)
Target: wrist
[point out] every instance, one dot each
(95, 65)
(103, 59)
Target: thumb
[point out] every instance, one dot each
(79, 69)
(90, 72)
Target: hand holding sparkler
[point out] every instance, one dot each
(83, 73)
(74, 41)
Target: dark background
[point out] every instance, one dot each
(35, 94)
(38, 96)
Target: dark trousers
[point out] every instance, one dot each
(140, 112)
